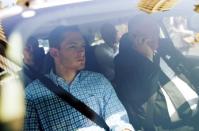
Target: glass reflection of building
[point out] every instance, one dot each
(151, 6)
(196, 9)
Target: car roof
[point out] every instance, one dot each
(78, 13)
(87, 12)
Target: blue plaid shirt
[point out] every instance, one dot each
(46, 111)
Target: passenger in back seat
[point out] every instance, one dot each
(105, 52)
(91, 61)
(33, 61)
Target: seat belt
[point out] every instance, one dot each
(74, 102)
(177, 98)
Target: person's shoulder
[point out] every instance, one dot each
(34, 83)
(34, 88)
(91, 74)
(101, 51)
(94, 77)
(100, 47)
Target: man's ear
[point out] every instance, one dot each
(147, 41)
(53, 52)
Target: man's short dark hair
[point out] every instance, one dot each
(57, 35)
(32, 42)
(107, 28)
(138, 21)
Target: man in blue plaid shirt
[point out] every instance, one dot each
(46, 111)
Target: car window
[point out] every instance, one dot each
(183, 34)
(150, 82)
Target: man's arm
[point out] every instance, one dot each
(114, 112)
(31, 122)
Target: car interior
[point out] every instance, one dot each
(177, 24)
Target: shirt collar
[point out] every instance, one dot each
(60, 81)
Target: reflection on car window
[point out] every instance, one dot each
(183, 37)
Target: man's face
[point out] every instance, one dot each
(28, 57)
(153, 36)
(71, 54)
(147, 33)
(110, 35)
